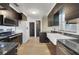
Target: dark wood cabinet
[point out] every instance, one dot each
(56, 19)
(10, 12)
(9, 15)
(62, 49)
(14, 41)
(43, 38)
(16, 38)
(51, 16)
(50, 21)
(71, 10)
(12, 52)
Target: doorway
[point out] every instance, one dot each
(32, 29)
(37, 28)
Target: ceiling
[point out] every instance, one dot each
(35, 10)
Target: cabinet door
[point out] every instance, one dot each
(50, 21)
(71, 11)
(56, 19)
(57, 7)
(17, 39)
(12, 52)
(61, 50)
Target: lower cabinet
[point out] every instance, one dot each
(43, 38)
(63, 50)
(12, 52)
(16, 38)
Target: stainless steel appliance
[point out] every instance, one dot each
(7, 21)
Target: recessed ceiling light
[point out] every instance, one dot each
(33, 12)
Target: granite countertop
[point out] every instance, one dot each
(53, 37)
(71, 44)
(5, 47)
(6, 36)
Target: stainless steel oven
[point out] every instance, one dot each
(9, 22)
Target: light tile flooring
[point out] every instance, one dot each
(34, 47)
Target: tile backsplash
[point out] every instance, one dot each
(71, 27)
(6, 28)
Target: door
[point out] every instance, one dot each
(32, 29)
(37, 28)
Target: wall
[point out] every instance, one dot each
(24, 28)
(44, 25)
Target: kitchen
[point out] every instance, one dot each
(56, 32)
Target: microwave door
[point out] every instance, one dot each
(9, 22)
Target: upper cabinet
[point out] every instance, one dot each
(9, 15)
(56, 19)
(71, 12)
(21, 16)
(53, 17)
(50, 20)
(8, 12)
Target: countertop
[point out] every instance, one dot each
(5, 47)
(71, 44)
(53, 37)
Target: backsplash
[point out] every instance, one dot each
(71, 27)
(6, 28)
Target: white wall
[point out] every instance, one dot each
(24, 28)
(44, 25)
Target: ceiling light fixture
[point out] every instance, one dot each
(33, 12)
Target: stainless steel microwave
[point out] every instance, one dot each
(7, 21)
